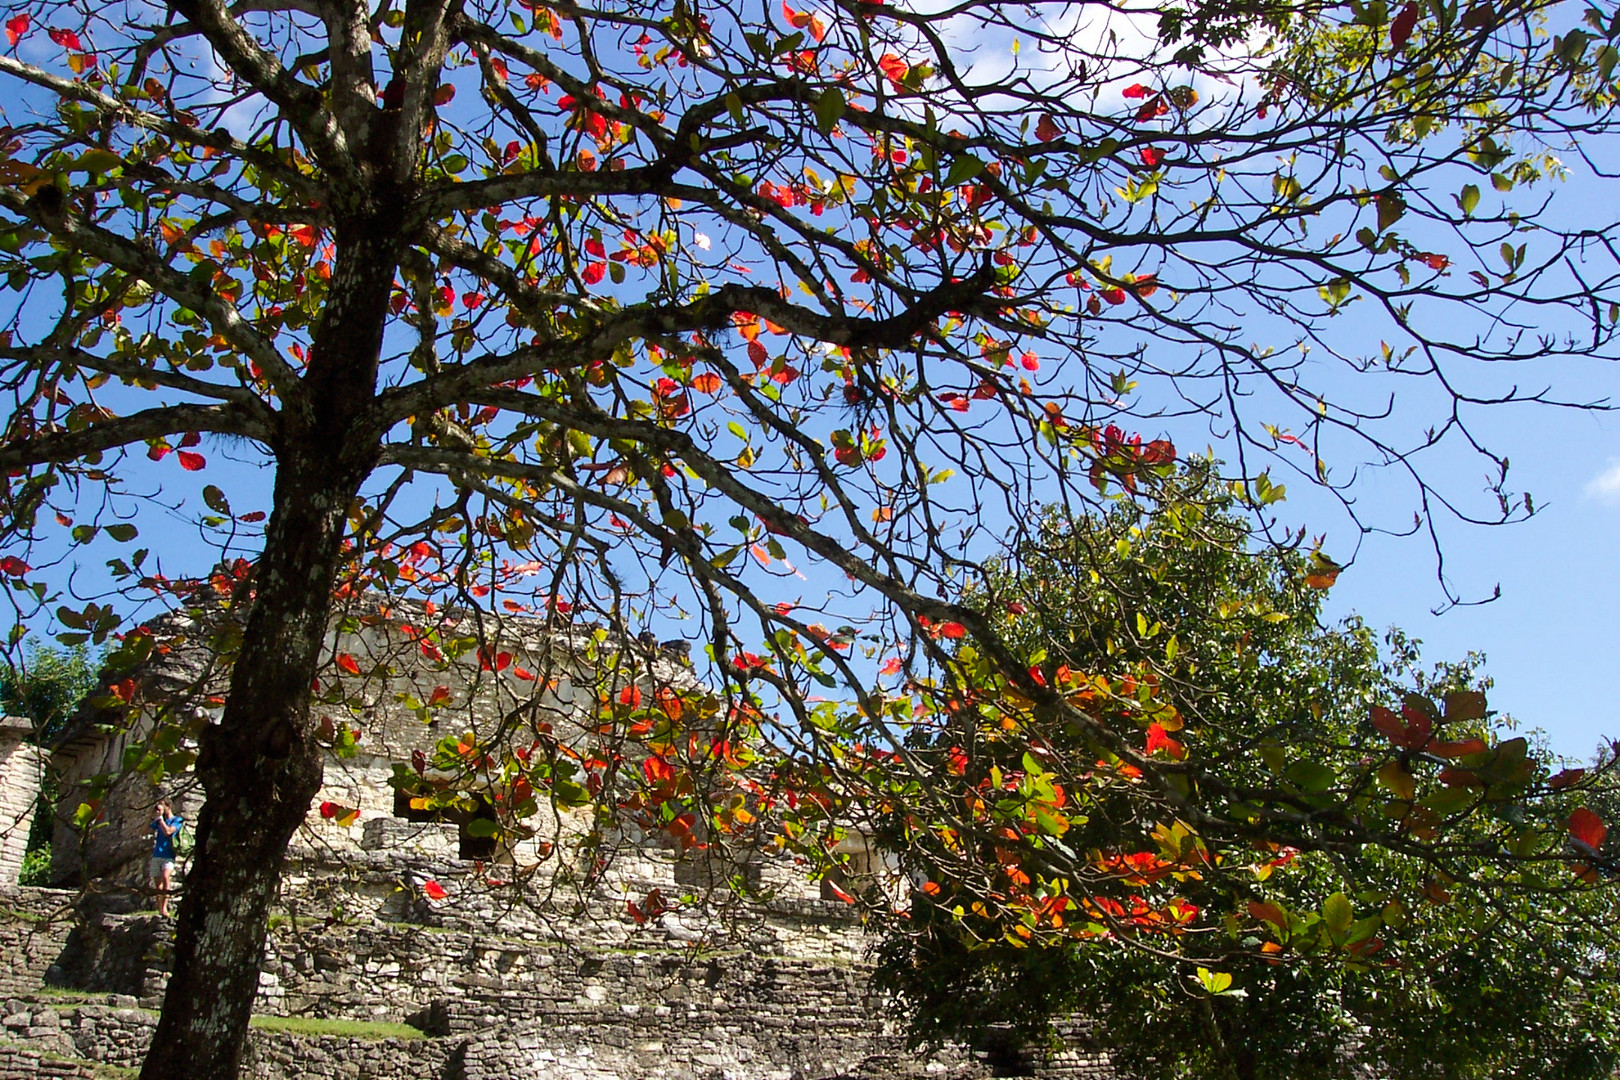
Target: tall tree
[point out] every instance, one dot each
(608, 308)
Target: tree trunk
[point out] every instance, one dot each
(261, 765)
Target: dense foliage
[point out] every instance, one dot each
(1322, 960)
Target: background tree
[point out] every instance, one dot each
(46, 686)
(612, 311)
(1327, 962)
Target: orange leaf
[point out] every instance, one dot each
(656, 769)
(1458, 749)
(347, 662)
(1267, 912)
(433, 890)
(707, 383)
(1587, 828)
(894, 67)
(952, 630)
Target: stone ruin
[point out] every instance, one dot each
(540, 979)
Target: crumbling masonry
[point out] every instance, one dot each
(540, 980)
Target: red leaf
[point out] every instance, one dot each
(594, 248)
(1159, 739)
(1565, 778)
(952, 630)
(67, 39)
(891, 666)
(190, 460)
(1462, 748)
(1587, 828)
(1152, 157)
(16, 27)
(444, 94)
(1387, 723)
(330, 810)
(895, 68)
(657, 770)
(433, 890)
(1412, 733)
(1400, 29)
(593, 272)
(347, 662)
(12, 566)
(1046, 129)
(630, 696)
(1418, 727)
(1134, 91)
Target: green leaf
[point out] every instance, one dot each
(1338, 913)
(1391, 208)
(123, 532)
(1311, 776)
(963, 169)
(98, 161)
(830, 108)
(1468, 199)
(1449, 800)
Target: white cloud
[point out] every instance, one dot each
(1605, 486)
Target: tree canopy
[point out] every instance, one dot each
(1328, 959)
(624, 312)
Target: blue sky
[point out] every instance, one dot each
(1551, 637)
(1551, 646)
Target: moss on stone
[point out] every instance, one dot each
(343, 1029)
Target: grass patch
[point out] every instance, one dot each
(11, 914)
(64, 993)
(344, 1029)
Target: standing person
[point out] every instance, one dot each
(165, 826)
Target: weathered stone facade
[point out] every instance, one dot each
(550, 975)
(502, 983)
(22, 766)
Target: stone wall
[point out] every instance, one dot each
(503, 982)
(22, 768)
(548, 678)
